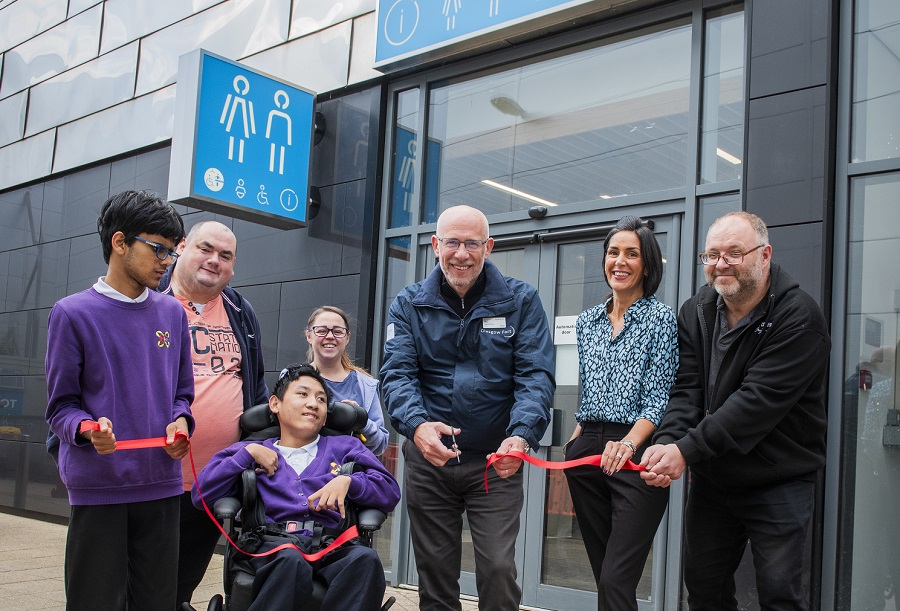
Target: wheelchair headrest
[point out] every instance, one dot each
(342, 419)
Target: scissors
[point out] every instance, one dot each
(454, 446)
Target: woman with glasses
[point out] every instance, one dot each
(328, 333)
(628, 354)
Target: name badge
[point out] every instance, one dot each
(497, 322)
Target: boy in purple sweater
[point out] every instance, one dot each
(119, 354)
(300, 482)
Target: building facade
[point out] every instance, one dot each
(555, 126)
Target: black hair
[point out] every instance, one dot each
(295, 372)
(651, 256)
(134, 213)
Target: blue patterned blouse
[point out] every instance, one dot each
(628, 377)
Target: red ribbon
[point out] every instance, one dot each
(161, 442)
(595, 460)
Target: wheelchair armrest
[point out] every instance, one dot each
(371, 519)
(226, 508)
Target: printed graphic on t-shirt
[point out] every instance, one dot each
(215, 351)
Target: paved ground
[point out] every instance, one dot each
(31, 570)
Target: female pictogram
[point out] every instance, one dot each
(281, 101)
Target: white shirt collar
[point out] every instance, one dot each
(108, 291)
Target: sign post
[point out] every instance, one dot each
(241, 144)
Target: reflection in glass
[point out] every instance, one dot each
(871, 399)
(722, 122)
(404, 187)
(546, 131)
(876, 88)
(710, 209)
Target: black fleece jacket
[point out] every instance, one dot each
(764, 420)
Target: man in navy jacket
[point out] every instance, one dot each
(468, 370)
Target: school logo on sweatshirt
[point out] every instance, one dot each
(335, 469)
(162, 339)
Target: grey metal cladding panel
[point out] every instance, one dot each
(85, 263)
(147, 171)
(69, 44)
(20, 21)
(788, 45)
(274, 255)
(127, 20)
(118, 130)
(37, 276)
(12, 111)
(240, 29)
(98, 84)
(266, 302)
(352, 221)
(20, 217)
(299, 299)
(72, 203)
(4, 275)
(798, 249)
(786, 157)
(35, 485)
(314, 15)
(27, 159)
(23, 342)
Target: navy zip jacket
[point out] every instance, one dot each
(489, 373)
(764, 420)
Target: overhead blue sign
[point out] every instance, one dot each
(242, 142)
(408, 28)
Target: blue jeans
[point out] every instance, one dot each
(718, 523)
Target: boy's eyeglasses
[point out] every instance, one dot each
(162, 252)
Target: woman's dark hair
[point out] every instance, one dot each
(134, 213)
(295, 372)
(650, 253)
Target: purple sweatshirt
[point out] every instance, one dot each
(129, 362)
(286, 495)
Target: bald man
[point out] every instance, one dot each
(226, 350)
(468, 370)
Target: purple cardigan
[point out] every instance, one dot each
(129, 362)
(286, 494)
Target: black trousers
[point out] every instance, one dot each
(436, 498)
(198, 537)
(618, 516)
(122, 556)
(719, 522)
(354, 575)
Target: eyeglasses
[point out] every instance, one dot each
(471, 245)
(731, 258)
(337, 332)
(162, 252)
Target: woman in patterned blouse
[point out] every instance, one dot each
(628, 354)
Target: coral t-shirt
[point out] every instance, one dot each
(218, 397)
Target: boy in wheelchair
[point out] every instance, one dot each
(299, 482)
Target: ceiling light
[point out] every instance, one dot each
(728, 157)
(518, 193)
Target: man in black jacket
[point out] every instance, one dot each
(747, 414)
(226, 349)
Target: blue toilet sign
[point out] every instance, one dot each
(242, 141)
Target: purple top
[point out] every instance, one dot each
(129, 362)
(286, 493)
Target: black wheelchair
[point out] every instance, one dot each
(245, 512)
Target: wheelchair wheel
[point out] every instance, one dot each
(216, 603)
